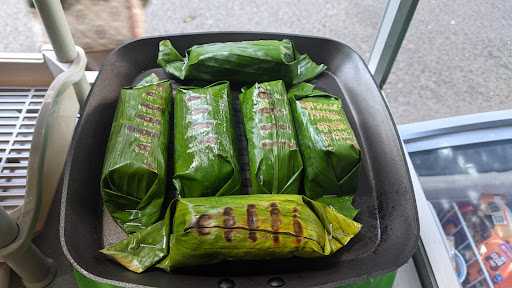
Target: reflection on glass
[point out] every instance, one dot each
(470, 187)
(465, 159)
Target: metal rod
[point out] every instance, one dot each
(28, 262)
(473, 245)
(54, 21)
(58, 31)
(392, 30)
(34, 269)
(82, 88)
(8, 229)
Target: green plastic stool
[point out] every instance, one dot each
(385, 281)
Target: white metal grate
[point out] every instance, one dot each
(19, 108)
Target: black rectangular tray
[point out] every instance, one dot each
(385, 197)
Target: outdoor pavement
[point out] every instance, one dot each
(456, 58)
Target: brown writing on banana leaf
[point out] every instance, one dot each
(208, 230)
(328, 145)
(204, 140)
(134, 170)
(275, 164)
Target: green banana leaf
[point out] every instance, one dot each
(150, 79)
(327, 143)
(342, 204)
(208, 230)
(144, 248)
(274, 157)
(246, 62)
(205, 156)
(134, 172)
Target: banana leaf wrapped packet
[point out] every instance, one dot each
(341, 203)
(327, 143)
(246, 62)
(274, 157)
(134, 169)
(205, 162)
(209, 230)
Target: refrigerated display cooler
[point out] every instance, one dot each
(464, 167)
